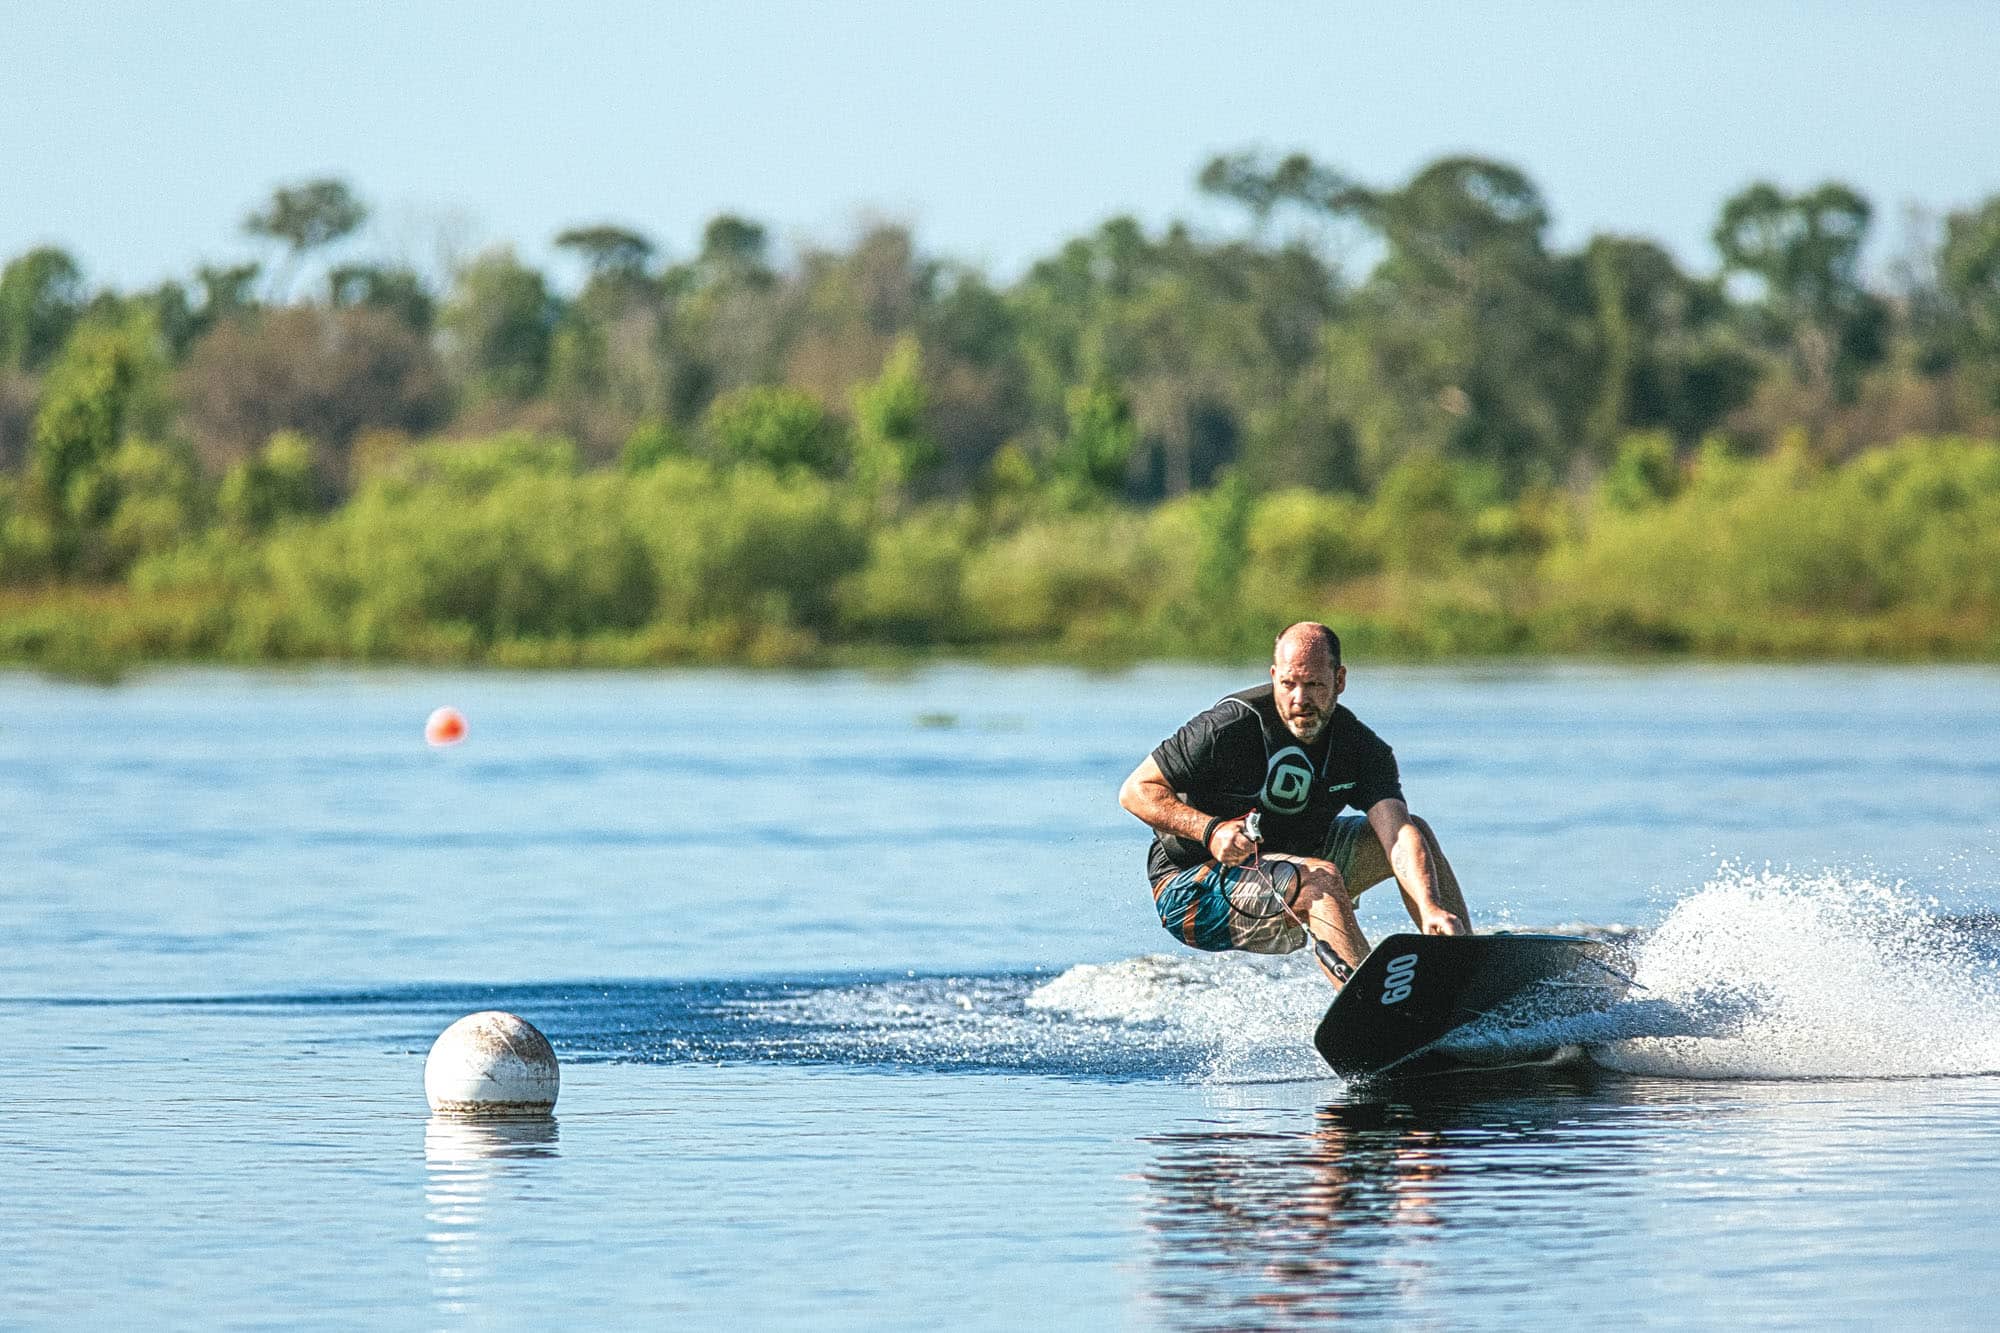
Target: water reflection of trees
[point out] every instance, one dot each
(1260, 1228)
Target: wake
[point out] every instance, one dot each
(1755, 975)
(1814, 976)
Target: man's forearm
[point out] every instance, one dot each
(1410, 859)
(1148, 795)
(1168, 813)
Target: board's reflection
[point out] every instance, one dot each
(465, 1162)
(1257, 1227)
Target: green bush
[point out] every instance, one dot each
(160, 502)
(1912, 527)
(499, 550)
(650, 444)
(744, 546)
(1064, 577)
(1645, 472)
(782, 429)
(471, 468)
(260, 491)
(1426, 511)
(541, 554)
(1300, 541)
(911, 592)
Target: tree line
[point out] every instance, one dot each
(1465, 371)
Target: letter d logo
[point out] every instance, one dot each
(1288, 781)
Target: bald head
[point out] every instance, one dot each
(1307, 640)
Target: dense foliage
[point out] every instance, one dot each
(1470, 441)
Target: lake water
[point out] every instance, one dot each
(866, 1021)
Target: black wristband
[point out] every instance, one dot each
(1209, 832)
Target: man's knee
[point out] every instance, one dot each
(1319, 879)
(1429, 834)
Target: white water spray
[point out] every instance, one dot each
(1757, 974)
(1823, 975)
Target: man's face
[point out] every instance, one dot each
(1307, 684)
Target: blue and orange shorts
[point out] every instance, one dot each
(1217, 907)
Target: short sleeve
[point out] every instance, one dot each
(1190, 752)
(1375, 776)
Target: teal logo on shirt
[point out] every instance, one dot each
(1288, 781)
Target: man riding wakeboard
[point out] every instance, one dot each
(1264, 775)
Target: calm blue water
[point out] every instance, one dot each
(866, 1021)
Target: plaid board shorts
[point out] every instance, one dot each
(1216, 907)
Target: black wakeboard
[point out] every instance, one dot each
(1413, 990)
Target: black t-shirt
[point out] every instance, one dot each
(1238, 756)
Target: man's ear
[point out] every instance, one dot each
(1339, 680)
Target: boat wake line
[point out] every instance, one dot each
(1754, 975)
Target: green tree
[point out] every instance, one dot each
(305, 217)
(892, 447)
(608, 251)
(91, 393)
(1804, 251)
(171, 314)
(722, 323)
(735, 249)
(275, 484)
(604, 348)
(1666, 356)
(1196, 339)
(1262, 186)
(1968, 282)
(401, 292)
(782, 429)
(41, 297)
(1090, 460)
(501, 319)
(1455, 221)
(228, 293)
(1469, 337)
(330, 374)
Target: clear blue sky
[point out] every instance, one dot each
(138, 133)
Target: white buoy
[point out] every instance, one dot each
(491, 1064)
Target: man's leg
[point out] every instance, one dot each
(1320, 898)
(1448, 893)
(1366, 865)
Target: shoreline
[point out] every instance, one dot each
(71, 643)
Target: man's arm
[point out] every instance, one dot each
(1148, 794)
(1410, 859)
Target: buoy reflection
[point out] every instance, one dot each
(468, 1168)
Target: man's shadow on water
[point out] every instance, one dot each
(1250, 1227)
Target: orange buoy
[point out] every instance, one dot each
(445, 727)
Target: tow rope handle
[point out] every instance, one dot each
(1330, 960)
